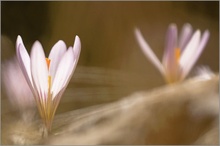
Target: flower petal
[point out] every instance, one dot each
(169, 60)
(63, 70)
(148, 51)
(39, 70)
(19, 41)
(194, 51)
(55, 56)
(76, 50)
(24, 61)
(66, 68)
(77, 47)
(191, 47)
(76, 53)
(185, 36)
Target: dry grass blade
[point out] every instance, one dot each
(175, 114)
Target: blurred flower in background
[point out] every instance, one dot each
(180, 53)
(16, 87)
(48, 77)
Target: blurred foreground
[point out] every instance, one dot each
(184, 113)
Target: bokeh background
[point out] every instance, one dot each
(111, 64)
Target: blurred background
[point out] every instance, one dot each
(111, 64)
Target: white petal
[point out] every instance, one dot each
(77, 46)
(55, 56)
(19, 41)
(76, 53)
(148, 52)
(39, 69)
(64, 69)
(188, 54)
(198, 50)
(185, 36)
(76, 50)
(24, 61)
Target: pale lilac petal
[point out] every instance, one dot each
(76, 53)
(185, 36)
(195, 53)
(188, 54)
(19, 41)
(148, 52)
(55, 56)
(39, 69)
(77, 47)
(64, 69)
(76, 50)
(169, 60)
(69, 61)
(24, 61)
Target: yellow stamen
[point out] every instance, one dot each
(49, 82)
(177, 54)
(48, 105)
(48, 62)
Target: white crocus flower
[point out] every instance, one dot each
(180, 54)
(48, 77)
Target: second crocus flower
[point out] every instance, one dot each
(181, 53)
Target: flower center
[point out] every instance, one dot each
(48, 62)
(49, 77)
(177, 54)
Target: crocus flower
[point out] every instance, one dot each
(48, 77)
(180, 54)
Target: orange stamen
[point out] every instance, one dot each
(48, 62)
(177, 54)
